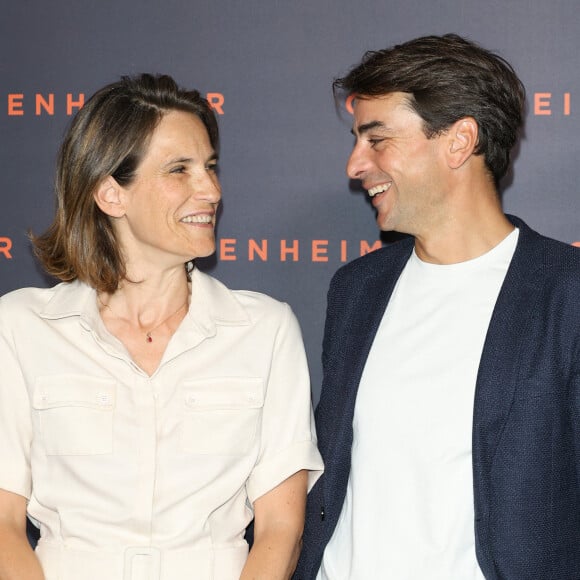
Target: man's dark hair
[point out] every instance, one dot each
(448, 78)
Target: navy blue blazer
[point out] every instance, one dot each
(526, 418)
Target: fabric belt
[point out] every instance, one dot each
(141, 563)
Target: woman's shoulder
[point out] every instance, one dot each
(32, 299)
(23, 296)
(253, 298)
(254, 303)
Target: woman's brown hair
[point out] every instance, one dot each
(108, 137)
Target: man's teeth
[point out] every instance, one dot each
(378, 189)
(197, 219)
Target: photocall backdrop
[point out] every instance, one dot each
(290, 217)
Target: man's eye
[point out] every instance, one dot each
(212, 167)
(375, 142)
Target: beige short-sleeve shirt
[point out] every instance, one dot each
(158, 472)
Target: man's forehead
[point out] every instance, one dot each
(374, 112)
(378, 102)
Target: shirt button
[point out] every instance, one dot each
(104, 399)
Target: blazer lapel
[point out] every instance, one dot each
(368, 314)
(499, 366)
(363, 301)
(354, 315)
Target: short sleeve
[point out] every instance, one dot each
(288, 440)
(15, 419)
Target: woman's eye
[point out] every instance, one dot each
(179, 169)
(212, 167)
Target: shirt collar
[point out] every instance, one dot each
(70, 299)
(212, 304)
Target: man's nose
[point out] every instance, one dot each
(357, 164)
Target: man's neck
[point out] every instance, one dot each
(474, 224)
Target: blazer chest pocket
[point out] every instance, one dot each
(221, 415)
(74, 414)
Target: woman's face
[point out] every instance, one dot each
(170, 207)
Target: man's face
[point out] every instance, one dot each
(402, 170)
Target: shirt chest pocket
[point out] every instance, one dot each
(221, 415)
(74, 414)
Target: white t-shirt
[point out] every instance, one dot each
(408, 513)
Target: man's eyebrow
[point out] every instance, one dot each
(366, 127)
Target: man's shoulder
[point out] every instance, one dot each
(546, 252)
(377, 262)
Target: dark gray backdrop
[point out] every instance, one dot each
(283, 145)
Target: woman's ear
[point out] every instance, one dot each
(463, 137)
(109, 197)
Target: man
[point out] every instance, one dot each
(450, 408)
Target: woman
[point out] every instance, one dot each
(147, 413)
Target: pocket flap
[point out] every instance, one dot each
(73, 391)
(224, 393)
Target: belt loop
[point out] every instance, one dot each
(142, 563)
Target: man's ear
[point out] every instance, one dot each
(463, 136)
(109, 197)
